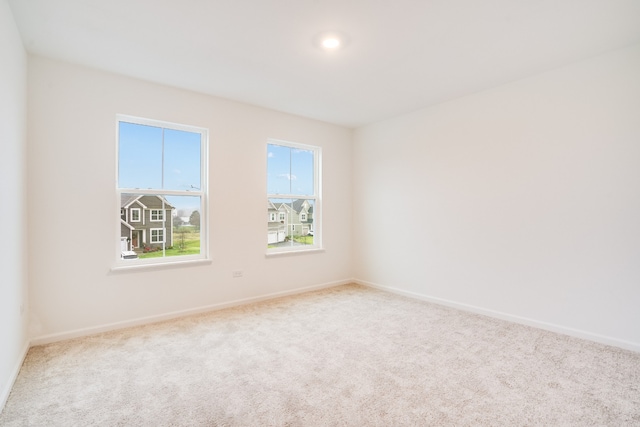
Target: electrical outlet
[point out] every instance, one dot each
(236, 274)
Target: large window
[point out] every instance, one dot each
(161, 181)
(293, 192)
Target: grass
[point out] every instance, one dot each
(305, 240)
(191, 246)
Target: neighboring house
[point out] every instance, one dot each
(277, 231)
(145, 221)
(288, 220)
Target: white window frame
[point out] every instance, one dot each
(316, 198)
(132, 216)
(151, 236)
(153, 213)
(303, 216)
(272, 217)
(202, 193)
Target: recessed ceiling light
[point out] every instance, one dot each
(331, 43)
(331, 40)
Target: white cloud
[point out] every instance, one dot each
(270, 155)
(288, 176)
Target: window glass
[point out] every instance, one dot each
(293, 195)
(139, 156)
(161, 184)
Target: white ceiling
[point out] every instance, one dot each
(402, 54)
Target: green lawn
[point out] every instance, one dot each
(305, 240)
(191, 246)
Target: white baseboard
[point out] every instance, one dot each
(4, 396)
(602, 339)
(77, 333)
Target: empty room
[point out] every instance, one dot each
(320, 212)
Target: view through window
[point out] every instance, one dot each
(161, 186)
(293, 196)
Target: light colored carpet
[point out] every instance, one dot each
(345, 356)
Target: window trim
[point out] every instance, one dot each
(202, 193)
(132, 210)
(164, 235)
(316, 198)
(155, 211)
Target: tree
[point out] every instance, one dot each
(194, 219)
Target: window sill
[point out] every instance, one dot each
(293, 252)
(122, 267)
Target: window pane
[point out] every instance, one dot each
(168, 226)
(289, 170)
(139, 156)
(278, 169)
(302, 172)
(293, 225)
(186, 225)
(182, 160)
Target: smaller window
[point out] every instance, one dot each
(303, 217)
(135, 215)
(157, 215)
(282, 216)
(272, 217)
(122, 214)
(157, 235)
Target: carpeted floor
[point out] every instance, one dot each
(345, 356)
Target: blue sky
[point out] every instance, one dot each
(141, 163)
(289, 170)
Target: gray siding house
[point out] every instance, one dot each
(146, 222)
(288, 220)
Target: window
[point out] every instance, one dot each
(161, 180)
(157, 215)
(293, 188)
(272, 217)
(157, 235)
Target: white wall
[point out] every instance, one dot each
(73, 210)
(522, 201)
(13, 139)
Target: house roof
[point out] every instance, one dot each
(296, 206)
(123, 222)
(127, 200)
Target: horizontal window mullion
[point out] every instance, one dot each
(291, 196)
(151, 191)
